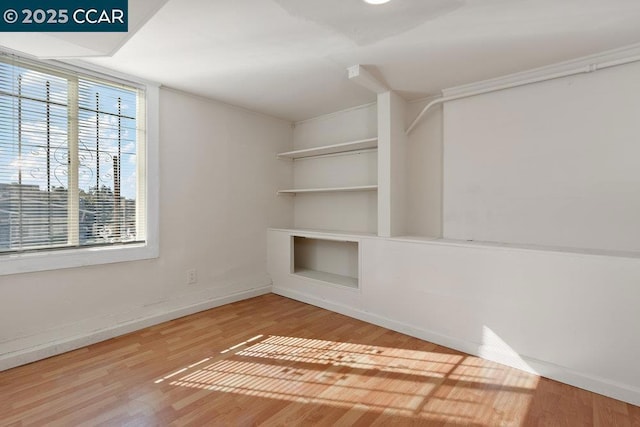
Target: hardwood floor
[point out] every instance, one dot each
(274, 361)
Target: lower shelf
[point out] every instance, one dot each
(336, 279)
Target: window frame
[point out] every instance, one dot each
(60, 258)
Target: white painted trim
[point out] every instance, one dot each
(606, 58)
(624, 392)
(78, 257)
(13, 359)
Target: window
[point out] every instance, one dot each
(73, 157)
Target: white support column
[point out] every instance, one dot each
(392, 141)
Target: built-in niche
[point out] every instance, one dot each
(332, 261)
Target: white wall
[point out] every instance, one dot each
(337, 170)
(567, 316)
(219, 176)
(342, 126)
(553, 163)
(424, 172)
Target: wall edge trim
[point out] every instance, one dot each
(56, 347)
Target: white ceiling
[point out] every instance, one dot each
(288, 58)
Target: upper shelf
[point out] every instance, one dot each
(344, 147)
(329, 189)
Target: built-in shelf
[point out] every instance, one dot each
(344, 147)
(329, 189)
(336, 279)
(330, 261)
(326, 234)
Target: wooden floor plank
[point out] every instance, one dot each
(277, 362)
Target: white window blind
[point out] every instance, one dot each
(71, 159)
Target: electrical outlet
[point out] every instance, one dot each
(192, 276)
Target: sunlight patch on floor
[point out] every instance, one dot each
(386, 379)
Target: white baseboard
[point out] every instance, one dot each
(22, 357)
(624, 392)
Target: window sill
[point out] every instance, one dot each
(59, 259)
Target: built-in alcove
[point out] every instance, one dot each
(496, 204)
(331, 261)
